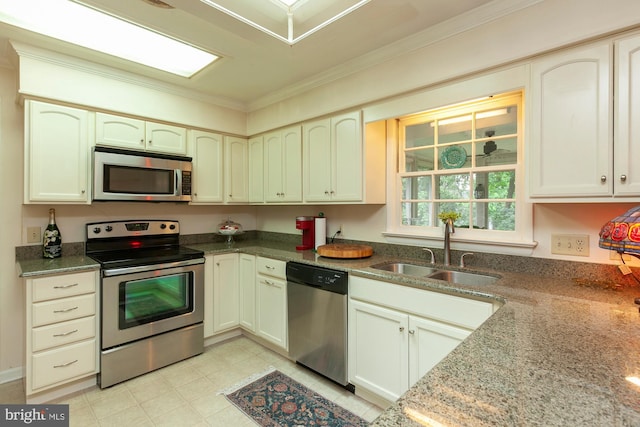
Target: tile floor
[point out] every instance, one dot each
(185, 394)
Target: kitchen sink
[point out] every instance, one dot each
(461, 277)
(405, 268)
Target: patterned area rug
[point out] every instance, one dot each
(275, 400)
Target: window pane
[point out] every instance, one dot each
(497, 122)
(461, 208)
(454, 129)
(453, 186)
(416, 187)
(498, 152)
(494, 215)
(494, 185)
(416, 213)
(455, 156)
(419, 160)
(421, 135)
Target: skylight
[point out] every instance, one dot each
(83, 26)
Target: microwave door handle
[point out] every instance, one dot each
(178, 182)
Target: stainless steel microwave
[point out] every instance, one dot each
(124, 175)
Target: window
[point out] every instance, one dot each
(467, 159)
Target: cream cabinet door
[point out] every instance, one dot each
(571, 124)
(429, 343)
(118, 131)
(271, 310)
(226, 296)
(57, 156)
(247, 286)
(626, 178)
(206, 149)
(347, 155)
(256, 169)
(317, 156)
(163, 138)
(236, 174)
(378, 349)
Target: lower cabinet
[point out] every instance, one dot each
(247, 277)
(397, 333)
(62, 343)
(226, 295)
(271, 301)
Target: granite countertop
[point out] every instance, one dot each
(555, 354)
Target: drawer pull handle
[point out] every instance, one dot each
(64, 334)
(269, 282)
(64, 365)
(269, 267)
(65, 286)
(66, 310)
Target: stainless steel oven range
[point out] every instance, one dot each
(152, 297)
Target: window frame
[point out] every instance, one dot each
(518, 241)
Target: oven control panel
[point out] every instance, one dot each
(109, 229)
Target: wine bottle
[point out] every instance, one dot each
(52, 240)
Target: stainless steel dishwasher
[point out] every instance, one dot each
(317, 317)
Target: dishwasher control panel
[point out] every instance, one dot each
(318, 277)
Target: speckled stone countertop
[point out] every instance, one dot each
(555, 354)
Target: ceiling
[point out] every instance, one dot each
(257, 68)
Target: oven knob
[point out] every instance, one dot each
(108, 228)
(163, 226)
(172, 227)
(96, 230)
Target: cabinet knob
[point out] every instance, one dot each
(141, 141)
(603, 179)
(149, 142)
(411, 331)
(623, 178)
(401, 328)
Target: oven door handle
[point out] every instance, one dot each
(150, 267)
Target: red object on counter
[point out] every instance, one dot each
(308, 227)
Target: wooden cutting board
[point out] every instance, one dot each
(343, 250)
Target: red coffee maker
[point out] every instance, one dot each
(308, 227)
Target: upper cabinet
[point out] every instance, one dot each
(236, 170)
(256, 169)
(573, 112)
(57, 155)
(283, 165)
(206, 149)
(339, 165)
(134, 134)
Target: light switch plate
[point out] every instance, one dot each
(33, 235)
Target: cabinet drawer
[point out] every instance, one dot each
(51, 287)
(461, 311)
(60, 310)
(62, 364)
(63, 333)
(271, 267)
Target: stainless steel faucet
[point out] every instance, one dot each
(448, 230)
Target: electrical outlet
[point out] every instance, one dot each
(570, 244)
(33, 235)
(629, 260)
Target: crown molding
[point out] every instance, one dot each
(469, 20)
